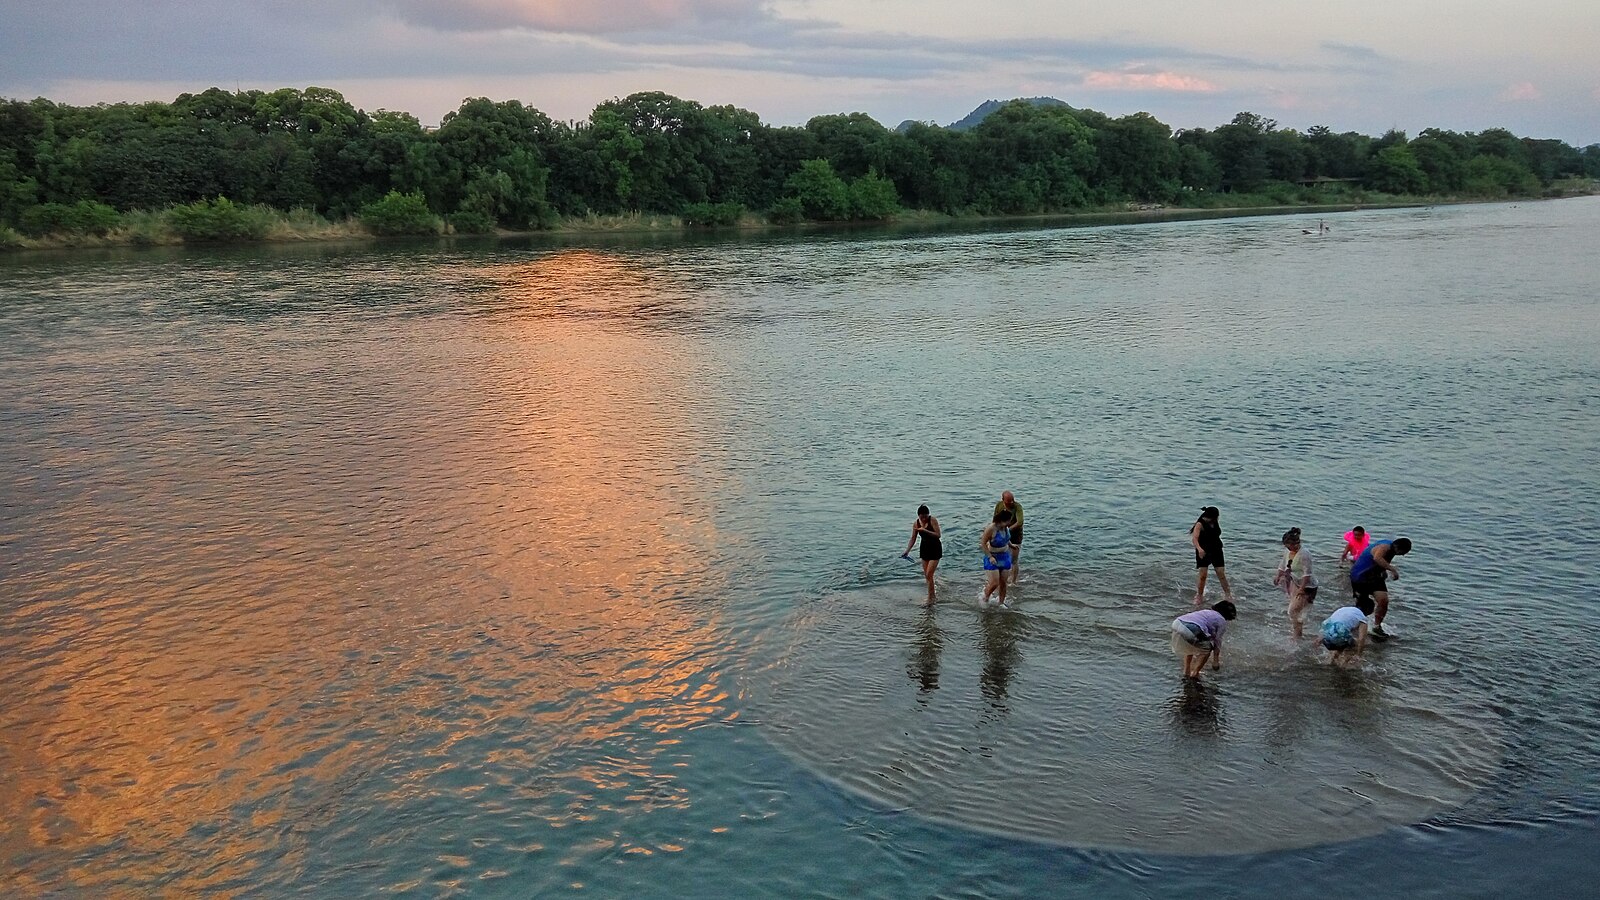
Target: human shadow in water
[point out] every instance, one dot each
(1197, 708)
(1001, 627)
(923, 664)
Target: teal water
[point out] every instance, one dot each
(534, 569)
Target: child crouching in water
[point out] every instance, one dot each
(1345, 632)
(1197, 636)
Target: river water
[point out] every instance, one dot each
(531, 568)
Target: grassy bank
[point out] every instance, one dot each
(260, 224)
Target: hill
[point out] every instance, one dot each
(971, 119)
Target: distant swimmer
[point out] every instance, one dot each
(1197, 636)
(1009, 504)
(926, 527)
(1206, 536)
(1295, 577)
(1345, 632)
(1369, 576)
(997, 554)
(1355, 541)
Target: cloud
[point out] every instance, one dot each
(580, 16)
(1521, 92)
(1360, 53)
(1149, 81)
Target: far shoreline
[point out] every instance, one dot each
(660, 225)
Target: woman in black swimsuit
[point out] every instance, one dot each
(1206, 536)
(927, 528)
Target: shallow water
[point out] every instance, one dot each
(527, 568)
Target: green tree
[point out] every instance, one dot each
(675, 142)
(481, 141)
(1442, 156)
(938, 178)
(1139, 158)
(854, 143)
(1240, 149)
(398, 214)
(1337, 155)
(873, 198)
(822, 194)
(1395, 171)
(1496, 176)
(1025, 158)
(1198, 169)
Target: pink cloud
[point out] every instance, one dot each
(1520, 92)
(588, 16)
(1148, 81)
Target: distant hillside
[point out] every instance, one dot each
(988, 106)
(982, 112)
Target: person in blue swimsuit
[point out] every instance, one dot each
(997, 554)
(1370, 575)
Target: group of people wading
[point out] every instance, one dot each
(1197, 636)
(1001, 544)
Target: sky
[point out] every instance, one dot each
(1353, 65)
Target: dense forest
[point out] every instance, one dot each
(222, 165)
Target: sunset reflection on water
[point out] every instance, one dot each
(372, 578)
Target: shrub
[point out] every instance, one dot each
(712, 215)
(823, 194)
(81, 218)
(873, 197)
(1281, 193)
(471, 221)
(148, 229)
(219, 220)
(787, 211)
(10, 239)
(399, 213)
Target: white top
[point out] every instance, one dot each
(1348, 616)
(1298, 564)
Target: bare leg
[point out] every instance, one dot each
(928, 567)
(989, 584)
(1223, 577)
(1297, 611)
(1200, 586)
(1002, 581)
(1381, 601)
(1016, 562)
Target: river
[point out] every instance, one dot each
(535, 567)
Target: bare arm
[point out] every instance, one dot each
(913, 541)
(1194, 538)
(1385, 561)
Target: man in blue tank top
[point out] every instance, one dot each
(1370, 574)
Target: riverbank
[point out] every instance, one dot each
(147, 229)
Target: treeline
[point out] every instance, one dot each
(213, 160)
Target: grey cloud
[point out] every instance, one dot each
(576, 16)
(295, 41)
